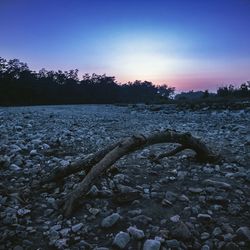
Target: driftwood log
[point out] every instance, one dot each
(96, 164)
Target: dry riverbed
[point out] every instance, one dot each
(183, 204)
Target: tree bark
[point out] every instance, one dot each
(128, 145)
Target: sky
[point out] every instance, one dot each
(188, 44)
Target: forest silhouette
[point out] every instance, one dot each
(21, 86)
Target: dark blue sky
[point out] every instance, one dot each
(187, 44)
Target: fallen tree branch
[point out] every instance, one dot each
(84, 164)
(171, 153)
(156, 158)
(127, 146)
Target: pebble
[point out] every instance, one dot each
(171, 196)
(76, 227)
(14, 167)
(205, 236)
(93, 191)
(205, 247)
(23, 211)
(61, 243)
(195, 190)
(65, 232)
(231, 246)
(94, 211)
(204, 217)
(56, 227)
(33, 152)
(217, 231)
(175, 218)
(18, 248)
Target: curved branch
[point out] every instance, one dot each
(129, 145)
(171, 153)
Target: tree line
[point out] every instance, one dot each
(227, 93)
(21, 86)
(243, 91)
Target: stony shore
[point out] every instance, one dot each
(183, 204)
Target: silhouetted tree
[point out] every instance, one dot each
(206, 94)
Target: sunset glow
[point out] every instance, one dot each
(201, 47)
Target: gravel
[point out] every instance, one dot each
(176, 203)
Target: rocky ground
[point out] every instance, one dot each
(183, 204)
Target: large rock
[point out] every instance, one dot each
(110, 220)
(218, 184)
(171, 196)
(181, 232)
(231, 246)
(244, 233)
(121, 240)
(152, 245)
(173, 244)
(136, 233)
